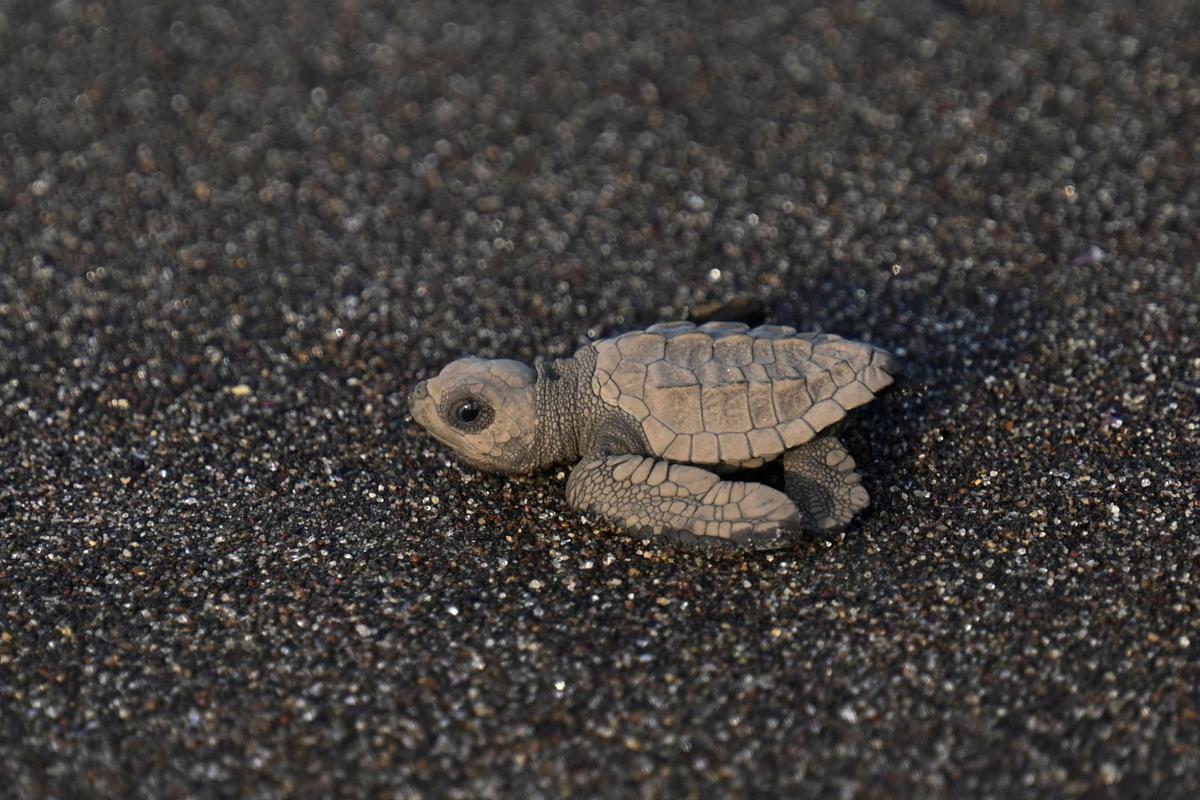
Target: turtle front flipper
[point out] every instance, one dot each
(652, 497)
(819, 475)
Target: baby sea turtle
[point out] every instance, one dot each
(651, 416)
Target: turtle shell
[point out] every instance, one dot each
(725, 393)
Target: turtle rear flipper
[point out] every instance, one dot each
(655, 497)
(819, 476)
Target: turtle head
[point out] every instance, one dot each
(486, 410)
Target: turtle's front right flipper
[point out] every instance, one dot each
(653, 497)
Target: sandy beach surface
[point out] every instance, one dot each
(232, 235)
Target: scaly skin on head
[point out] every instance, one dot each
(539, 417)
(484, 409)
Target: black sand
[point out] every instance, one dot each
(231, 237)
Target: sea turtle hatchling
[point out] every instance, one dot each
(651, 416)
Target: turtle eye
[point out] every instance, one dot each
(470, 414)
(468, 411)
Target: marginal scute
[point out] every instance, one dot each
(796, 432)
(724, 328)
(704, 448)
(671, 327)
(764, 353)
(856, 353)
(875, 378)
(680, 449)
(765, 442)
(607, 356)
(734, 447)
(773, 331)
(792, 351)
(609, 393)
(853, 395)
(689, 349)
(734, 350)
(824, 414)
(658, 435)
(641, 347)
